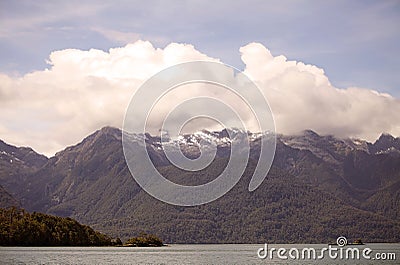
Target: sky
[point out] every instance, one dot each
(68, 68)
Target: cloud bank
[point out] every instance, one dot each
(85, 90)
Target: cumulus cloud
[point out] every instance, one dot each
(301, 96)
(85, 90)
(81, 92)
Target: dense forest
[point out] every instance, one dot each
(277, 213)
(20, 228)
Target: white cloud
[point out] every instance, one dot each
(301, 97)
(85, 90)
(81, 92)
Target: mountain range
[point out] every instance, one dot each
(318, 188)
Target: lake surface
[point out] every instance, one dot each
(178, 254)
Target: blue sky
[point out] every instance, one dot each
(355, 42)
(67, 68)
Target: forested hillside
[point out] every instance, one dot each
(319, 187)
(20, 228)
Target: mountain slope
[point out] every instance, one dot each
(319, 187)
(6, 199)
(17, 164)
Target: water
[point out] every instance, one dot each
(175, 254)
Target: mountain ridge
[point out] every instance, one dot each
(91, 183)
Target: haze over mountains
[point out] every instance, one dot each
(319, 187)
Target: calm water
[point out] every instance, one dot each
(174, 254)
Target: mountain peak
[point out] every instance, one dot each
(109, 130)
(311, 133)
(328, 176)
(25, 154)
(386, 137)
(385, 143)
